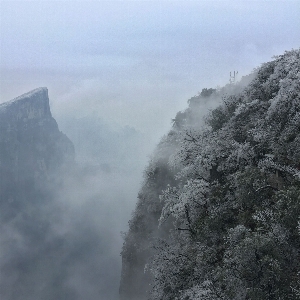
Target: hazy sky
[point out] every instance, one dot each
(136, 62)
(130, 63)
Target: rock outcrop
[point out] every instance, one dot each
(32, 148)
(34, 155)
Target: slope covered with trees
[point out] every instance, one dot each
(218, 213)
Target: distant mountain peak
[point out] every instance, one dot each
(31, 105)
(31, 143)
(30, 94)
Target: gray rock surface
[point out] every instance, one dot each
(32, 148)
(34, 155)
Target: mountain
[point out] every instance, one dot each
(218, 213)
(32, 150)
(34, 157)
(60, 213)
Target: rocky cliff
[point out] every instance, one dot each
(31, 147)
(30, 138)
(34, 155)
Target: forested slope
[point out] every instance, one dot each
(218, 213)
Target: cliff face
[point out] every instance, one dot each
(143, 227)
(31, 143)
(34, 155)
(31, 147)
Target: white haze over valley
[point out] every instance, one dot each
(117, 73)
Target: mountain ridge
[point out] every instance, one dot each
(218, 213)
(34, 157)
(34, 104)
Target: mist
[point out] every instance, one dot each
(61, 219)
(100, 196)
(117, 74)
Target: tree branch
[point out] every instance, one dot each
(265, 187)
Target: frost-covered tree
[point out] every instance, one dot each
(230, 209)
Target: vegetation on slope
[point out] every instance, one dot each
(228, 200)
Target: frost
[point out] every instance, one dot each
(231, 213)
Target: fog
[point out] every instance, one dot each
(61, 230)
(117, 73)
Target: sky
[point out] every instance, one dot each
(136, 63)
(128, 67)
